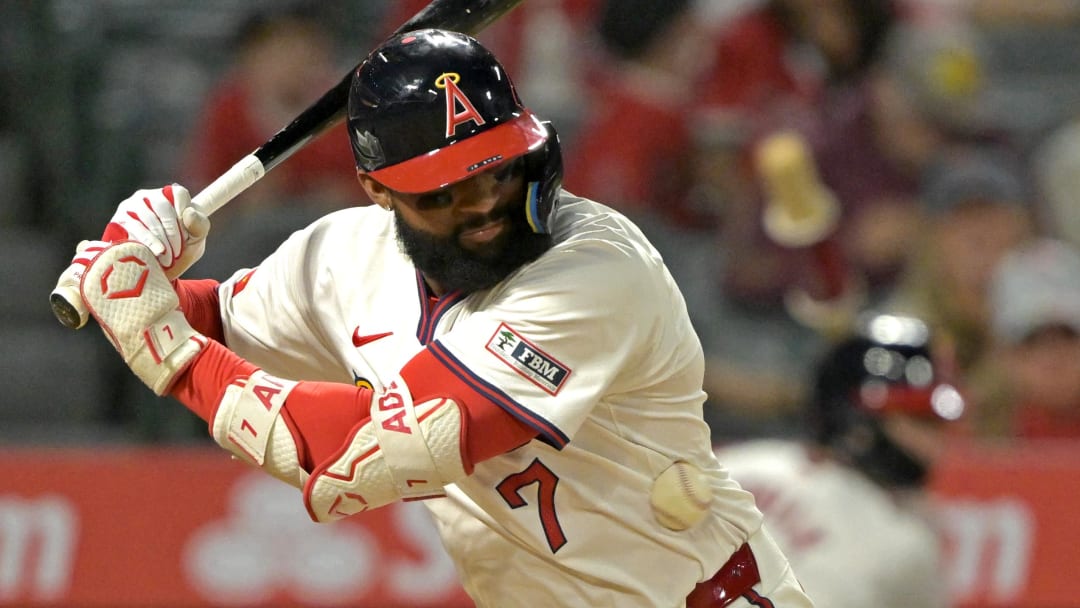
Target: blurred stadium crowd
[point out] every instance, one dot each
(946, 130)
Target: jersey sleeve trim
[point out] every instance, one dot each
(548, 433)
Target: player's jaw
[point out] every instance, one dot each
(485, 234)
(481, 251)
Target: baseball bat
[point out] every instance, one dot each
(466, 16)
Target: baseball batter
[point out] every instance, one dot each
(517, 357)
(848, 508)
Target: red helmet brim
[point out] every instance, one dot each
(463, 159)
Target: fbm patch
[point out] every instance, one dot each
(525, 358)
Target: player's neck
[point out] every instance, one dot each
(434, 287)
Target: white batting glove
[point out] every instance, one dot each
(133, 301)
(163, 220)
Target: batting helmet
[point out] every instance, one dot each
(430, 108)
(886, 367)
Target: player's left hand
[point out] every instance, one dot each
(133, 301)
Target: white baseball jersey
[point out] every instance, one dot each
(851, 542)
(590, 345)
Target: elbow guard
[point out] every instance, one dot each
(248, 423)
(404, 452)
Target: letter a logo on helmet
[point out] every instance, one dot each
(454, 97)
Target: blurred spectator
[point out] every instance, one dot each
(633, 146)
(757, 353)
(889, 96)
(977, 206)
(854, 485)
(285, 59)
(1056, 165)
(791, 50)
(784, 65)
(876, 140)
(541, 43)
(1035, 309)
(873, 132)
(990, 12)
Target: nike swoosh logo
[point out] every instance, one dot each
(359, 340)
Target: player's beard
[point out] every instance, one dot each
(444, 261)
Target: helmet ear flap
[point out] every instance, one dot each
(543, 180)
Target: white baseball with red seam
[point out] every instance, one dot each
(681, 496)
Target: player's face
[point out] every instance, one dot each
(470, 235)
(925, 440)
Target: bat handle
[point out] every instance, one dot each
(229, 185)
(66, 301)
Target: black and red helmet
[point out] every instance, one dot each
(430, 108)
(886, 367)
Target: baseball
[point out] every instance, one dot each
(680, 496)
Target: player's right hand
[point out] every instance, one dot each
(164, 220)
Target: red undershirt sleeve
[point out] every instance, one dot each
(201, 305)
(201, 386)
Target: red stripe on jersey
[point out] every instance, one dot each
(546, 431)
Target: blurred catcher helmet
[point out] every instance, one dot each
(430, 108)
(886, 367)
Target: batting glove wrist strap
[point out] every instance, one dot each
(126, 290)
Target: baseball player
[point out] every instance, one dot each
(517, 357)
(847, 507)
